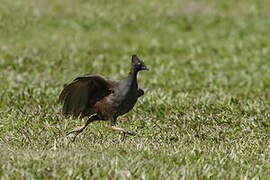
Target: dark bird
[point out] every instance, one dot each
(99, 99)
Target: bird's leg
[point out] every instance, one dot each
(123, 130)
(80, 129)
(116, 128)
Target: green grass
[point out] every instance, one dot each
(206, 110)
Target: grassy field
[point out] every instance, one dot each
(206, 110)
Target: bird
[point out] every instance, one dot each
(99, 99)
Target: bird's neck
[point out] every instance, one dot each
(131, 79)
(133, 75)
(129, 83)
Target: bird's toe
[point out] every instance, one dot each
(130, 133)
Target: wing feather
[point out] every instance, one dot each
(82, 93)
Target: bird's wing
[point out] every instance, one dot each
(140, 92)
(83, 92)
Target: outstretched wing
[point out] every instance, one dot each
(83, 92)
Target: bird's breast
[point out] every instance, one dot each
(126, 100)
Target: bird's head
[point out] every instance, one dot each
(137, 64)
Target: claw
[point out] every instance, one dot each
(80, 129)
(130, 133)
(76, 131)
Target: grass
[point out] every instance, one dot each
(205, 114)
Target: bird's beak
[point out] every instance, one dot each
(145, 68)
